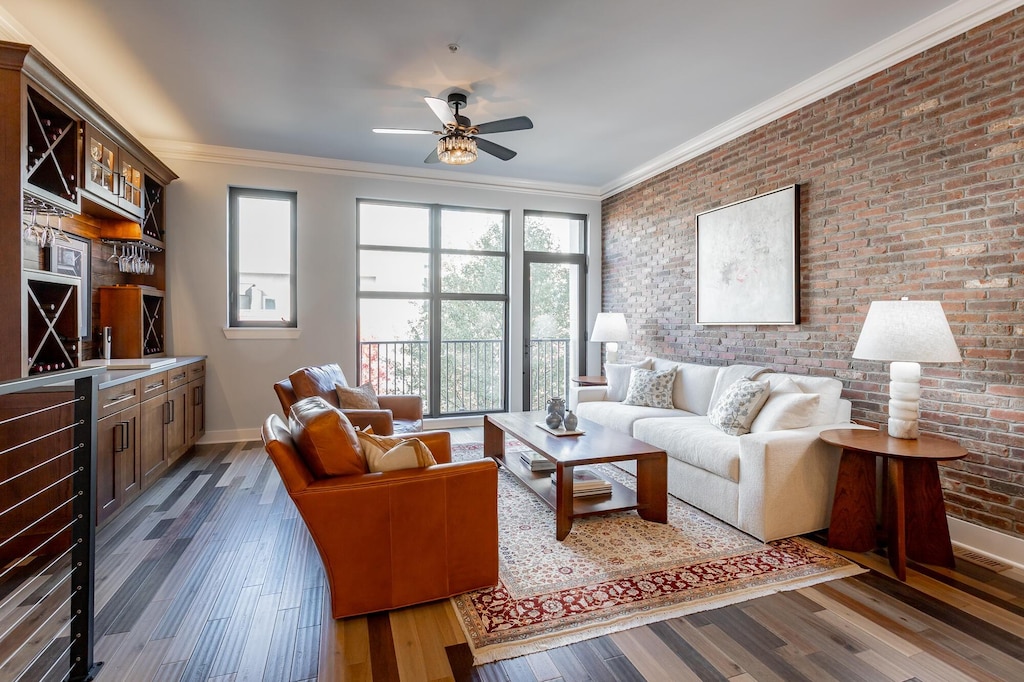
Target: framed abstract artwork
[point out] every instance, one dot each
(73, 257)
(748, 260)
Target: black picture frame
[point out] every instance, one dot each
(74, 258)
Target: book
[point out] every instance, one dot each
(536, 462)
(586, 482)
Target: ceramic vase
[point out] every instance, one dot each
(553, 420)
(557, 405)
(570, 421)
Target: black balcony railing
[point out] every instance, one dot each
(472, 372)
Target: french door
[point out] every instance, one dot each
(554, 325)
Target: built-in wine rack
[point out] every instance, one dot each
(51, 152)
(52, 325)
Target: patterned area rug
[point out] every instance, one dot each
(618, 571)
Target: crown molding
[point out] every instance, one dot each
(931, 31)
(205, 153)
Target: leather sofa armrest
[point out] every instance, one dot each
(408, 407)
(381, 421)
(439, 443)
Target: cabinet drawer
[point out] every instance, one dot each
(197, 370)
(177, 376)
(153, 385)
(117, 398)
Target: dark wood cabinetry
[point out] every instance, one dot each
(51, 322)
(51, 148)
(136, 314)
(195, 413)
(113, 177)
(118, 478)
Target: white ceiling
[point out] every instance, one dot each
(610, 86)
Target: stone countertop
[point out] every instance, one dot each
(113, 377)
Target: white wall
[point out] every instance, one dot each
(240, 373)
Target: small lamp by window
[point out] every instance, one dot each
(906, 333)
(611, 329)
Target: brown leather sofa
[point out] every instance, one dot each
(396, 538)
(398, 413)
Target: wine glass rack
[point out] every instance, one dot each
(52, 329)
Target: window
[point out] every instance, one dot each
(433, 304)
(261, 253)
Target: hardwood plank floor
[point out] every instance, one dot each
(210, 575)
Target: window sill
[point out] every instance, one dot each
(241, 333)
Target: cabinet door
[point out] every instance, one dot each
(153, 439)
(130, 198)
(195, 424)
(176, 436)
(109, 441)
(101, 171)
(129, 464)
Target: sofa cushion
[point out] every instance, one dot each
(695, 441)
(387, 453)
(730, 374)
(618, 378)
(362, 397)
(652, 388)
(736, 409)
(325, 438)
(619, 416)
(693, 385)
(318, 381)
(786, 411)
(828, 388)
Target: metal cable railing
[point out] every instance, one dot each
(47, 526)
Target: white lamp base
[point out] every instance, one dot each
(613, 352)
(904, 394)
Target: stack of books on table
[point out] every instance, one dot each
(534, 462)
(586, 483)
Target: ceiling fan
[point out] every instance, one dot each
(459, 142)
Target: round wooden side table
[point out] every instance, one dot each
(912, 496)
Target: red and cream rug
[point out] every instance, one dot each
(617, 572)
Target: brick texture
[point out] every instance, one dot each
(912, 184)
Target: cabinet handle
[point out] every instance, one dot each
(158, 384)
(197, 395)
(119, 398)
(125, 442)
(119, 440)
(178, 376)
(167, 413)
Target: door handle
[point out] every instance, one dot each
(119, 439)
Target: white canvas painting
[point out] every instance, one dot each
(748, 261)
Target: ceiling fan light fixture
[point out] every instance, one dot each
(456, 150)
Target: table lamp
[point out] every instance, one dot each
(610, 328)
(905, 333)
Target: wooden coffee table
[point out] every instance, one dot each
(598, 445)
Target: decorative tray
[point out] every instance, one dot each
(560, 431)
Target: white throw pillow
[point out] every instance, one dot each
(738, 406)
(786, 411)
(651, 388)
(618, 378)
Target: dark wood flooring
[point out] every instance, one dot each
(210, 575)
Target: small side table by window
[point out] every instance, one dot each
(912, 496)
(591, 380)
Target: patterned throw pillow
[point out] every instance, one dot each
(362, 397)
(388, 453)
(738, 406)
(651, 388)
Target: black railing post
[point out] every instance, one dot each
(83, 532)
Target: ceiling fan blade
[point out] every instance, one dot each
(403, 131)
(505, 125)
(441, 110)
(432, 157)
(503, 153)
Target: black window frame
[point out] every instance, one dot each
(234, 194)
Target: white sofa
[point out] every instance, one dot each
(770, 484)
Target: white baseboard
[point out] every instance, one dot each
(230, 436)
(991, 543)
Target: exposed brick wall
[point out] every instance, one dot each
(912, 184)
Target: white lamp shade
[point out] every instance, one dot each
(906, 331)
(610, 328)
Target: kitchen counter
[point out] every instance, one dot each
(113, 377)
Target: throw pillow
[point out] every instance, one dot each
(362, 397)
(325, 438)
(618, 378)
(786, 411)
(651, 388)
(738, 406)
(385, 453)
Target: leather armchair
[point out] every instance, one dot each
(396, 538)
(398, 413)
